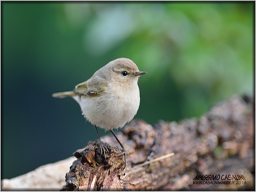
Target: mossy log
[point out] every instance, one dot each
(168, 156)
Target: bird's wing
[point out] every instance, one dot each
(81, 88)
(91, 87)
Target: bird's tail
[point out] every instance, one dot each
(64, 94)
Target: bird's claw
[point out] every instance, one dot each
(103, 148)
(124, 153)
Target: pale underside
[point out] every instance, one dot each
(106, 106)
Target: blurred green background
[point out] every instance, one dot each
(195, 54)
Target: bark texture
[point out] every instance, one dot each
(219, 142)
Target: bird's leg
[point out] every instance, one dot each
(124, 151)
(103, 148)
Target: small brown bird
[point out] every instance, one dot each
(111, 97)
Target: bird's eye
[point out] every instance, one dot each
(124, 73)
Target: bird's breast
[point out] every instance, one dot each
(112, 109)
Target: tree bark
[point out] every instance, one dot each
(168, 156)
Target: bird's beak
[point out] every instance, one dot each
(139, 73)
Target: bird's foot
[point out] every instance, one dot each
(124, 154)
(103, 147)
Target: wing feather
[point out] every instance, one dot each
(91, 87)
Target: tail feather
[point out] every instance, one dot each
(64, 94)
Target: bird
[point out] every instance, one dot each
(110, 98)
